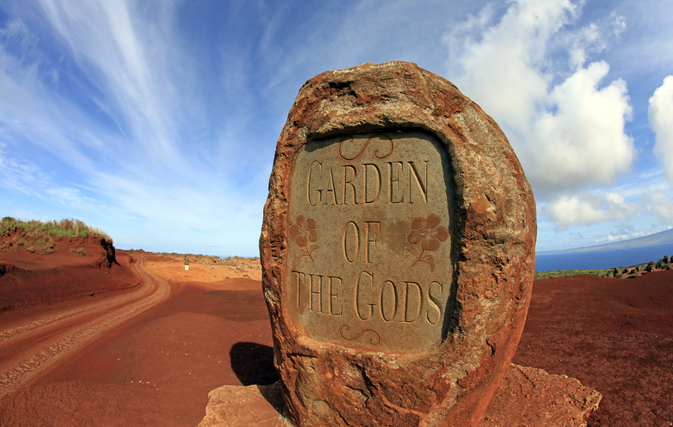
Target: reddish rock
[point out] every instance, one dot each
(243, 406)
(397, 251)
(527, 397)
(532, 397)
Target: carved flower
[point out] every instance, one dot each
(429, 232)
(304, 230)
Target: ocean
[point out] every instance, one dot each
(600, 259)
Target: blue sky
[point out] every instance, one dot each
(157, 121)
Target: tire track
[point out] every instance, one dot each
(27, 366)
(15, 333)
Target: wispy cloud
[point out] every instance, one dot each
(125, 121)
(158, 120)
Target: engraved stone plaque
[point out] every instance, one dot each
(397, 250)
(369, 240)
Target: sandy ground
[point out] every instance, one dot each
(614, 335)
(34, 342)
(173, 269)
(157, 368)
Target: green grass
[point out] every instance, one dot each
(600, 273)
(562, 273)
(57, 229)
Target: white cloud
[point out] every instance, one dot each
(587, 209)
(618, 207)
(660, 205)
(575, 210)
(661, 121)
(616, 236)
(528, 71)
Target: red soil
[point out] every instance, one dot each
(36, 278)
(159, 367)
(613, 335)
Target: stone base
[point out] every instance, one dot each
(527, 397)
(530, 397)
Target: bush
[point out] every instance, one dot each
(78, 251)
(665, 259)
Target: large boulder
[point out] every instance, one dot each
(398, 251)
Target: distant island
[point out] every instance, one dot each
(662, 237)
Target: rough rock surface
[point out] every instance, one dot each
(484, 243)
(243, 406)
(527, 397)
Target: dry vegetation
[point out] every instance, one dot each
(240, 264)
(38, 235)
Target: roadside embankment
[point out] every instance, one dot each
(41, 265)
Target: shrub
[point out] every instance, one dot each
(77, 251)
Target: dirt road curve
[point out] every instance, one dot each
(31, 347)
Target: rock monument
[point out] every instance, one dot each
(398, 251)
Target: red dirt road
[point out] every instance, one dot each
(31, 344)
(157, 368)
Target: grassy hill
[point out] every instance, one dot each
(38, 235)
